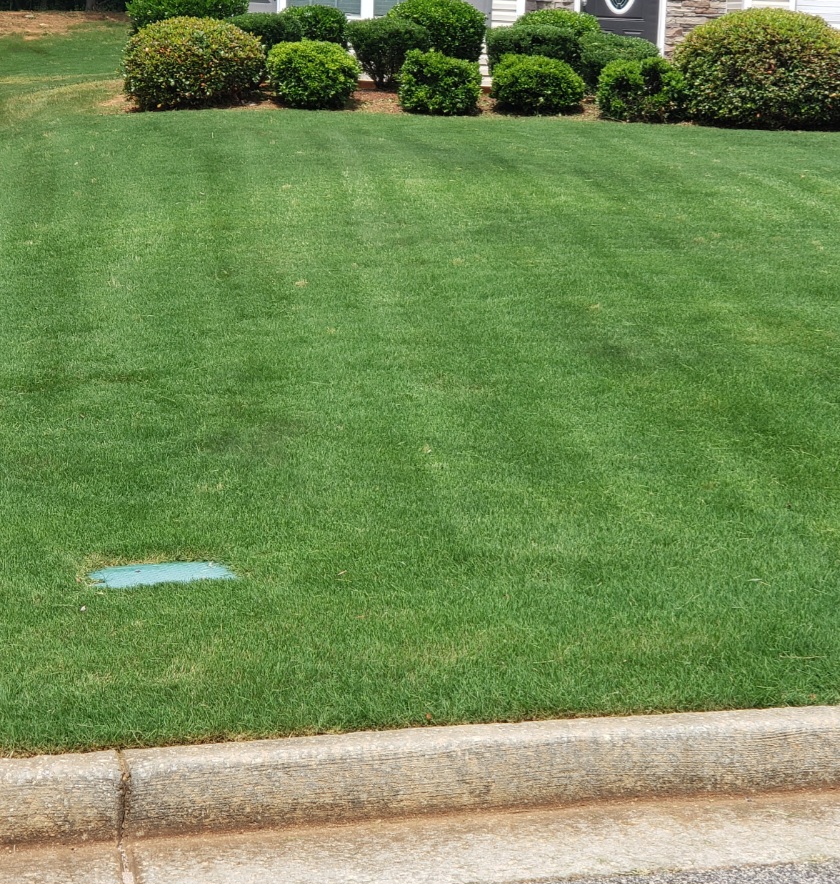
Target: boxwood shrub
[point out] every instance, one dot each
(324, 24)
(144, 12)
(763, 68)
(648, 91)
(534, 84)
(191, 62)
(533, 39)
(455, 27)
(312, 74)
(579, 23)
(597, 50)
(433, 83)
(381, 44)
(271, 27)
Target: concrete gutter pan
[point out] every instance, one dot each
(142, 793)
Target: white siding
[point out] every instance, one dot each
(734, 5)
(828, 9)
(503, 13)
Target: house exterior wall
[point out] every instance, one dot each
(683, 15)
(828, 9)
(533, 5)
(680, 15)
(502, 12)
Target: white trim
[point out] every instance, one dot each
(520, 8)
(660, 27)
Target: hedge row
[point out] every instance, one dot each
(765, 68)
(572, 37)
(192, 62)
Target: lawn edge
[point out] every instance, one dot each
(203, 789)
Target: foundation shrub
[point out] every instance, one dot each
(433, 83)
(455, 28)
(191, 62)
(381, 45)
(763, 68)
(648, 91)
(579, 23)
(324, 24)
(312, 74)
(533, 39)
(271, 27)
(597, 50)
(536, 85)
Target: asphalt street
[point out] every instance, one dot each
(783, 873)
(796, 833)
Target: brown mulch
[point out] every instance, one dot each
(364, 100)
(380, 101)
(35, 24)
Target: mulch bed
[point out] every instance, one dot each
(365, 101)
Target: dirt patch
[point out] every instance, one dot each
(118, 103)
(375, 101)
(37, 24)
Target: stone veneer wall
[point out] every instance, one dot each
(683, 15)
(680, 17)
(532, 5)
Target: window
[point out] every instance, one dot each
(380, 7)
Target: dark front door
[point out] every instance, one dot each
(630, 18)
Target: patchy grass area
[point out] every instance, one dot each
(496, 418)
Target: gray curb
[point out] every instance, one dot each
(61, 798)
(236, 786)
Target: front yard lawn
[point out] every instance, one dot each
(496, 418)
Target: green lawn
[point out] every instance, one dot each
(496, 418)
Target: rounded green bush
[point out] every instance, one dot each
(433, 83)
(534, 84)
(598, 50)
(763, 68)
(312, 74)
(271, 27)
(455, 28)
(648, 91)
(381, 44)
(533, 39)
(579, 23)
(145, 12)
(191, 62)
(324, 24)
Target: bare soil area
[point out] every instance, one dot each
(36, 24)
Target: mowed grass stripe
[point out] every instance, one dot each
(496, 418)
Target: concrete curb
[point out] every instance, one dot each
(60, 798)
(271, 783)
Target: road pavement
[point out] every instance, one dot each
(784, 873)
(688, 835)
